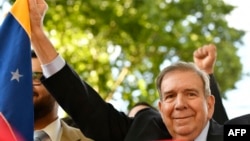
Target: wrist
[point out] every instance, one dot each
(209, 71)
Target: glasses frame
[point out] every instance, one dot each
(36, 78)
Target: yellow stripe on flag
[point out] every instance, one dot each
(20, 10)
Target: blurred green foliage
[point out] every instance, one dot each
(120, 46)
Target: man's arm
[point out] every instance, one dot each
(96, 118)
(205, 57)
(41, 44)
(220, 114)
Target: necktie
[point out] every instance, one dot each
(41, 136)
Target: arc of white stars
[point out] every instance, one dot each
(16, 75)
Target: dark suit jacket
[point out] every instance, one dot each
(244, 119)
(215, 132)
(100, 120)
(72, 134)
(220, 114)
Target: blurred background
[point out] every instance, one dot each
(120, 46)
(237, 99)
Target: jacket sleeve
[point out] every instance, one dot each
(220, 114)
(97, 119)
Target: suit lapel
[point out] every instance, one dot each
(215, 132)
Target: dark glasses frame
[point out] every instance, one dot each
(36, 76)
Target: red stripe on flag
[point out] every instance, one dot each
(7, 134)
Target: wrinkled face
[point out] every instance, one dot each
(184, 108)
(43, 101)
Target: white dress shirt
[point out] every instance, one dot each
(53, 67)
(203, 134)
(54, 130)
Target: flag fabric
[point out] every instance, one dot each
(16, 96)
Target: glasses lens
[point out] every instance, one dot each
(36, 76)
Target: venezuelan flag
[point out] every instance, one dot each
(16, 96)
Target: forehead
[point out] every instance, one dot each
(179, 79)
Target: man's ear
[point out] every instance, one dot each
(210, 105)
(159, 105)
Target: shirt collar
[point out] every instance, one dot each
(203, 134)
(54, 130)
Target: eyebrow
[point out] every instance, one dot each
(185, 90)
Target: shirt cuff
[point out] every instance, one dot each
(53, 67)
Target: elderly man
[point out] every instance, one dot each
(186, 104)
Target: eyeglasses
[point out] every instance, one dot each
(36, 76)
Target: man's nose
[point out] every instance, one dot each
(180, 102)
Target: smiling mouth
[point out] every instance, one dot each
(182, 117)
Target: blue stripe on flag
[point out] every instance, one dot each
(16, 96)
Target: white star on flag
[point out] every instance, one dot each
(16, 76)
